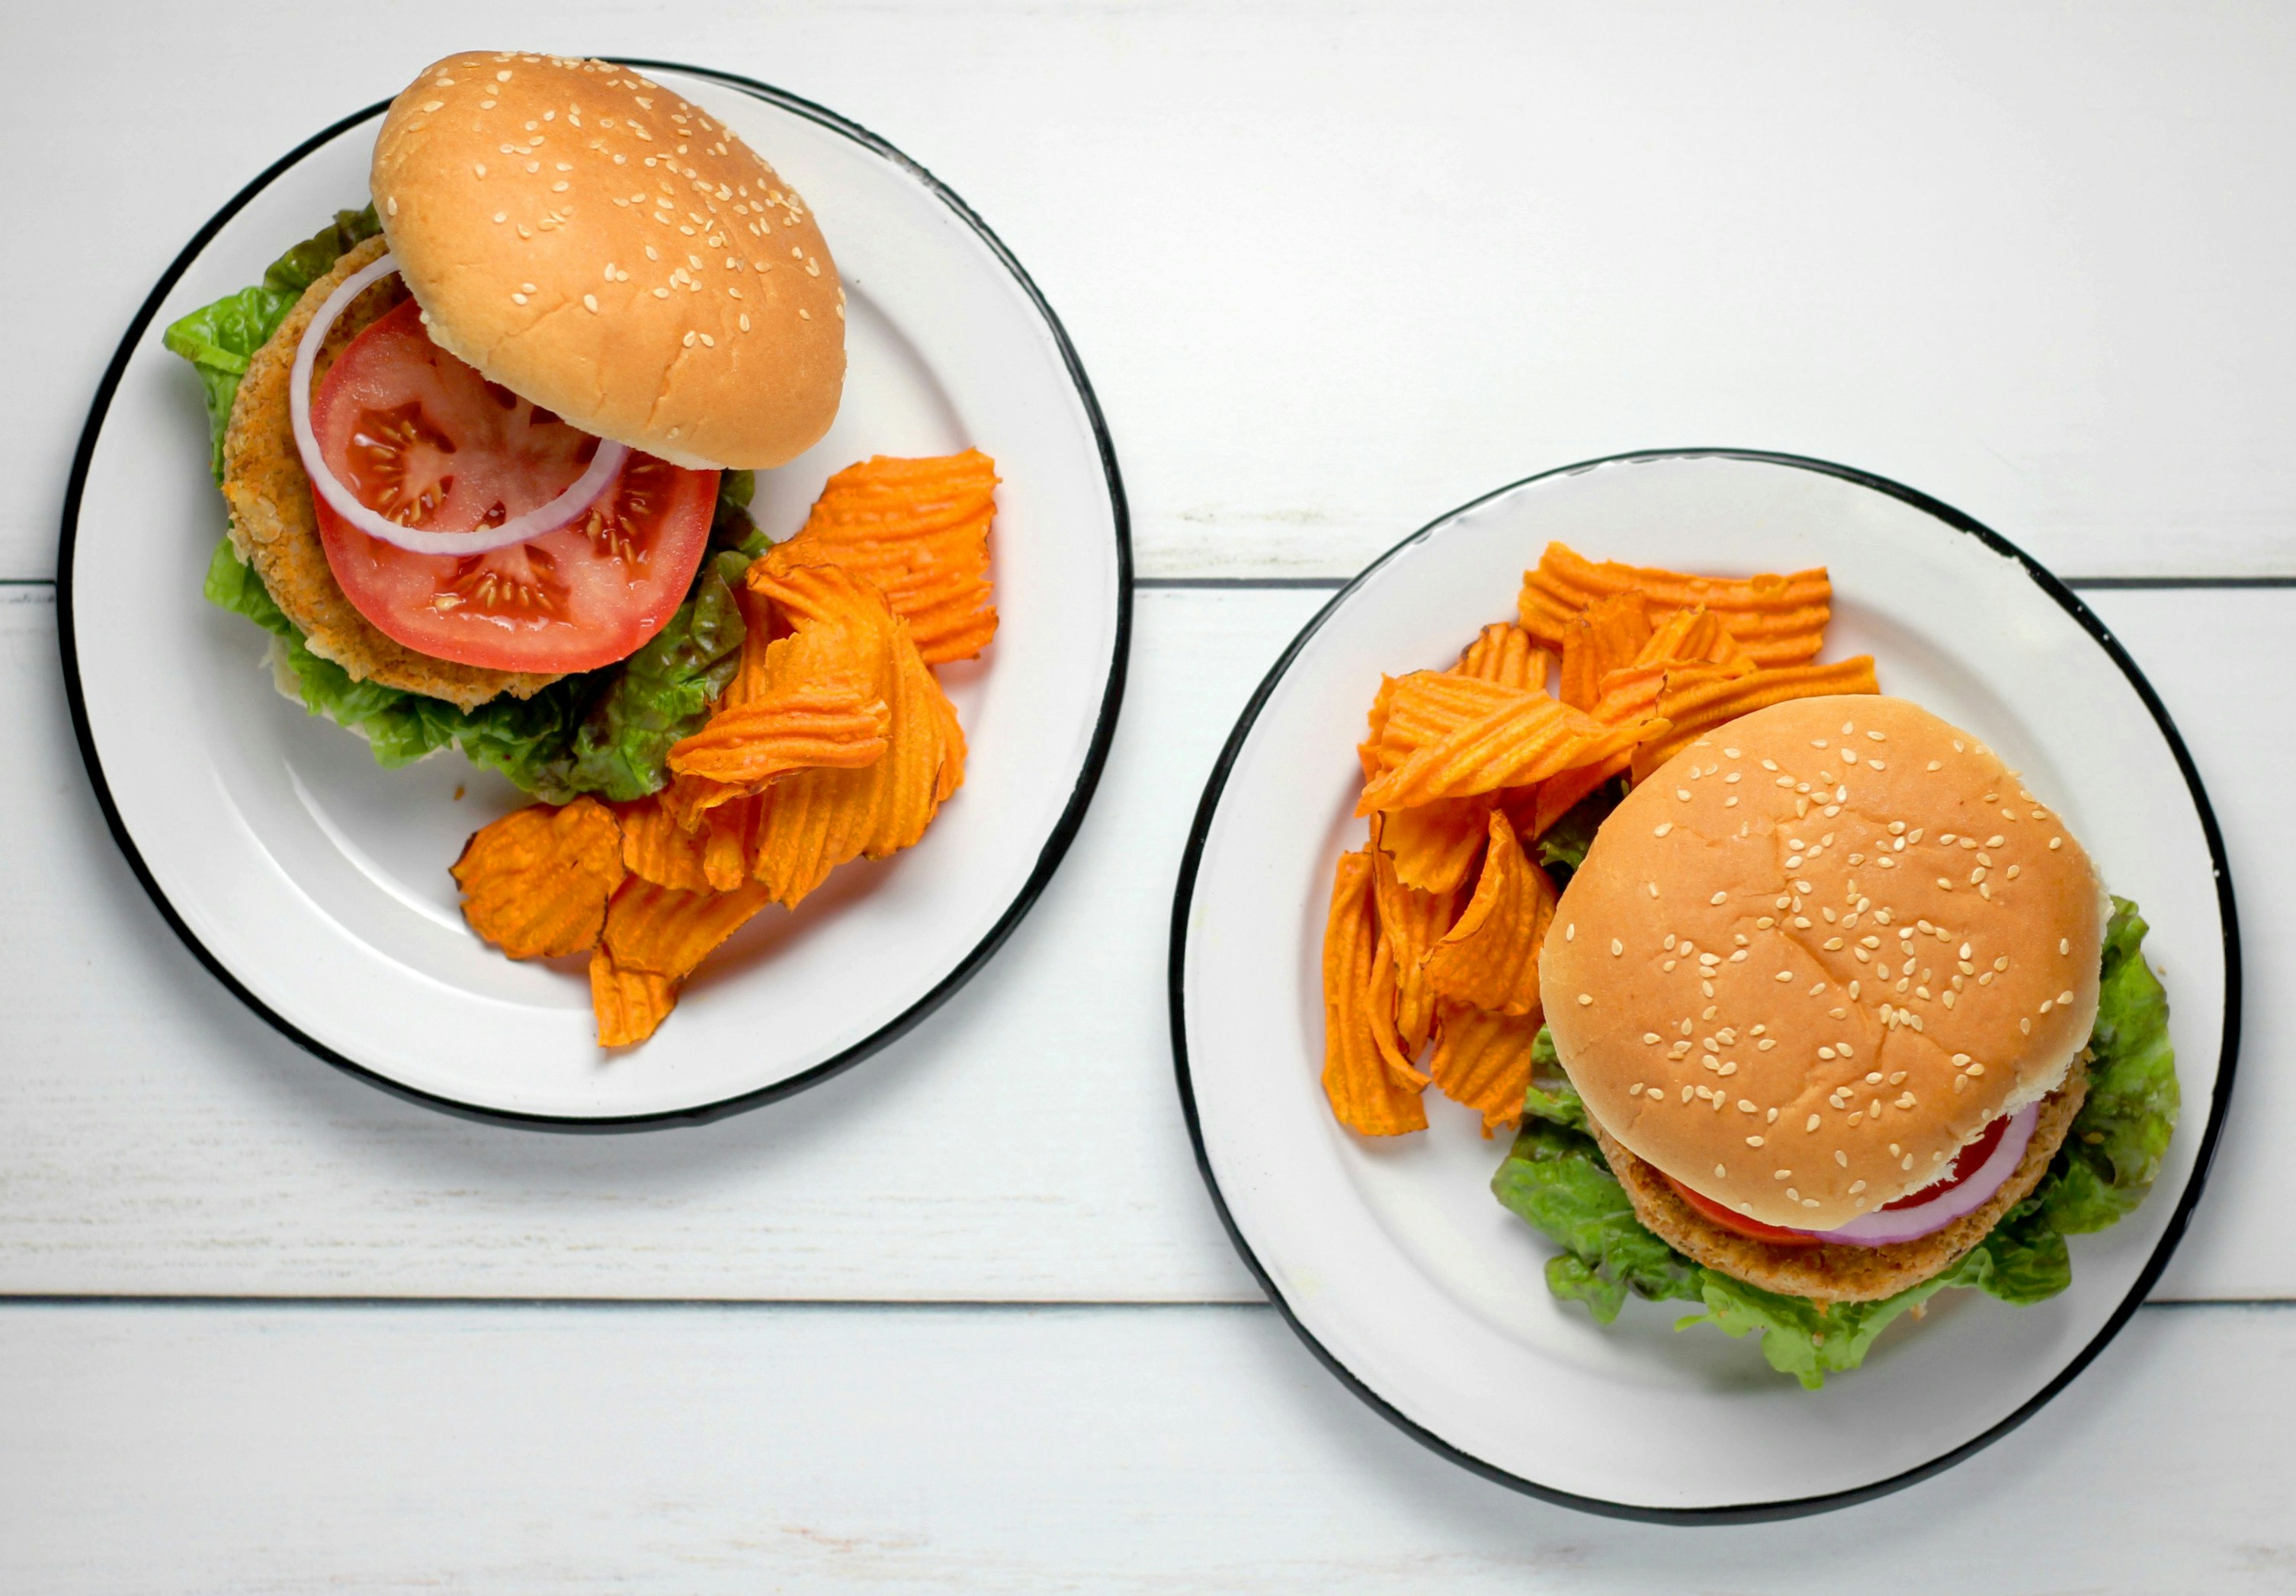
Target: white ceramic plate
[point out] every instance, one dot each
(1393, 1260)
(315, 884)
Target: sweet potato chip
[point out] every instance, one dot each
(811, 719)
(534, 883)
(629, 1005)
(729, 841)
(1491, 957)
(1779, 619)
(1411, 922)
(1416, 710)
(1503, 653)
(1434, 845)
(1694, 705)
(820, 818)
(1525, 738)
(1379, 1013)
(1483, 1059)
(1364, 1091)
(1605, 637)
(659, 930)
(656, 847)
(1691, 636)
(918, 529)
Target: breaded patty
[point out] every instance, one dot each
(274, 527)
(1829, 1272)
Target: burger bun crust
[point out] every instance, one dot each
(1817, 952)
(595, 243)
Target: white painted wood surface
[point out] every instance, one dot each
(1026, 1145)
(700, 1450)
(1332, 273)
(1336, 271)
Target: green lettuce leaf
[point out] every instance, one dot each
(219, 339)
(1562, 845)
(606, 731)
(1555, 1178)
(1550, 1096)
(2113, 1154)
(1810, 1341)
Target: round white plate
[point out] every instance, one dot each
(315, 883)
(1393, 1260)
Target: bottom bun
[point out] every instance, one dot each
(1831, 1272)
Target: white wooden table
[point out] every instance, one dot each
(961, 1318)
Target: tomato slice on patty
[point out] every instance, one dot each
(422, 438)
(1966, 1163)
(1731, 1220)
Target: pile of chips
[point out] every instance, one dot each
(1465, 769)
(833, 741)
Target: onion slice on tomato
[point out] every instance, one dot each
(585, 491)
(1884, 1226)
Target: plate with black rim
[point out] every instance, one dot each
(1391, 1259)
(313, 884)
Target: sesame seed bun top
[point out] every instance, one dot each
(596, 244)
(1817, 952)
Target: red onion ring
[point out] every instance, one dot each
(1884, 1226)
(585, 490)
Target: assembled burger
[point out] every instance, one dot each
(1824, 986)
(1826, 999)
(481, 441)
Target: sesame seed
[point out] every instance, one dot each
(502, 215)
(1785, 975)
(1570, 931)
(590, 303)
(2055, 843)
(1586, 999)
(661, 293)
(391, 207)
(1753, 1141)
(1617, 947)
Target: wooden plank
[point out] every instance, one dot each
(154, 1137)
(1025, 1144)
(1334, 276)
(164, 1449)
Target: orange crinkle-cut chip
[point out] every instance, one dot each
(1606, 636)
(1434, 845)
(1411, 922)
(534, 883)
(1365, 1090)
(663, 931)
(1483, 1059)
(815, 820)
(1503, 653)
(656, 847)
(1694, 704)
(1522, 737)
(1491, 957)
(1780, 620)
(629, 1005)
(806, 719)
(919, 530)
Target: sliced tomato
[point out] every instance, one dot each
(1967, 1162)
(422, 438)
(1776, 1235)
